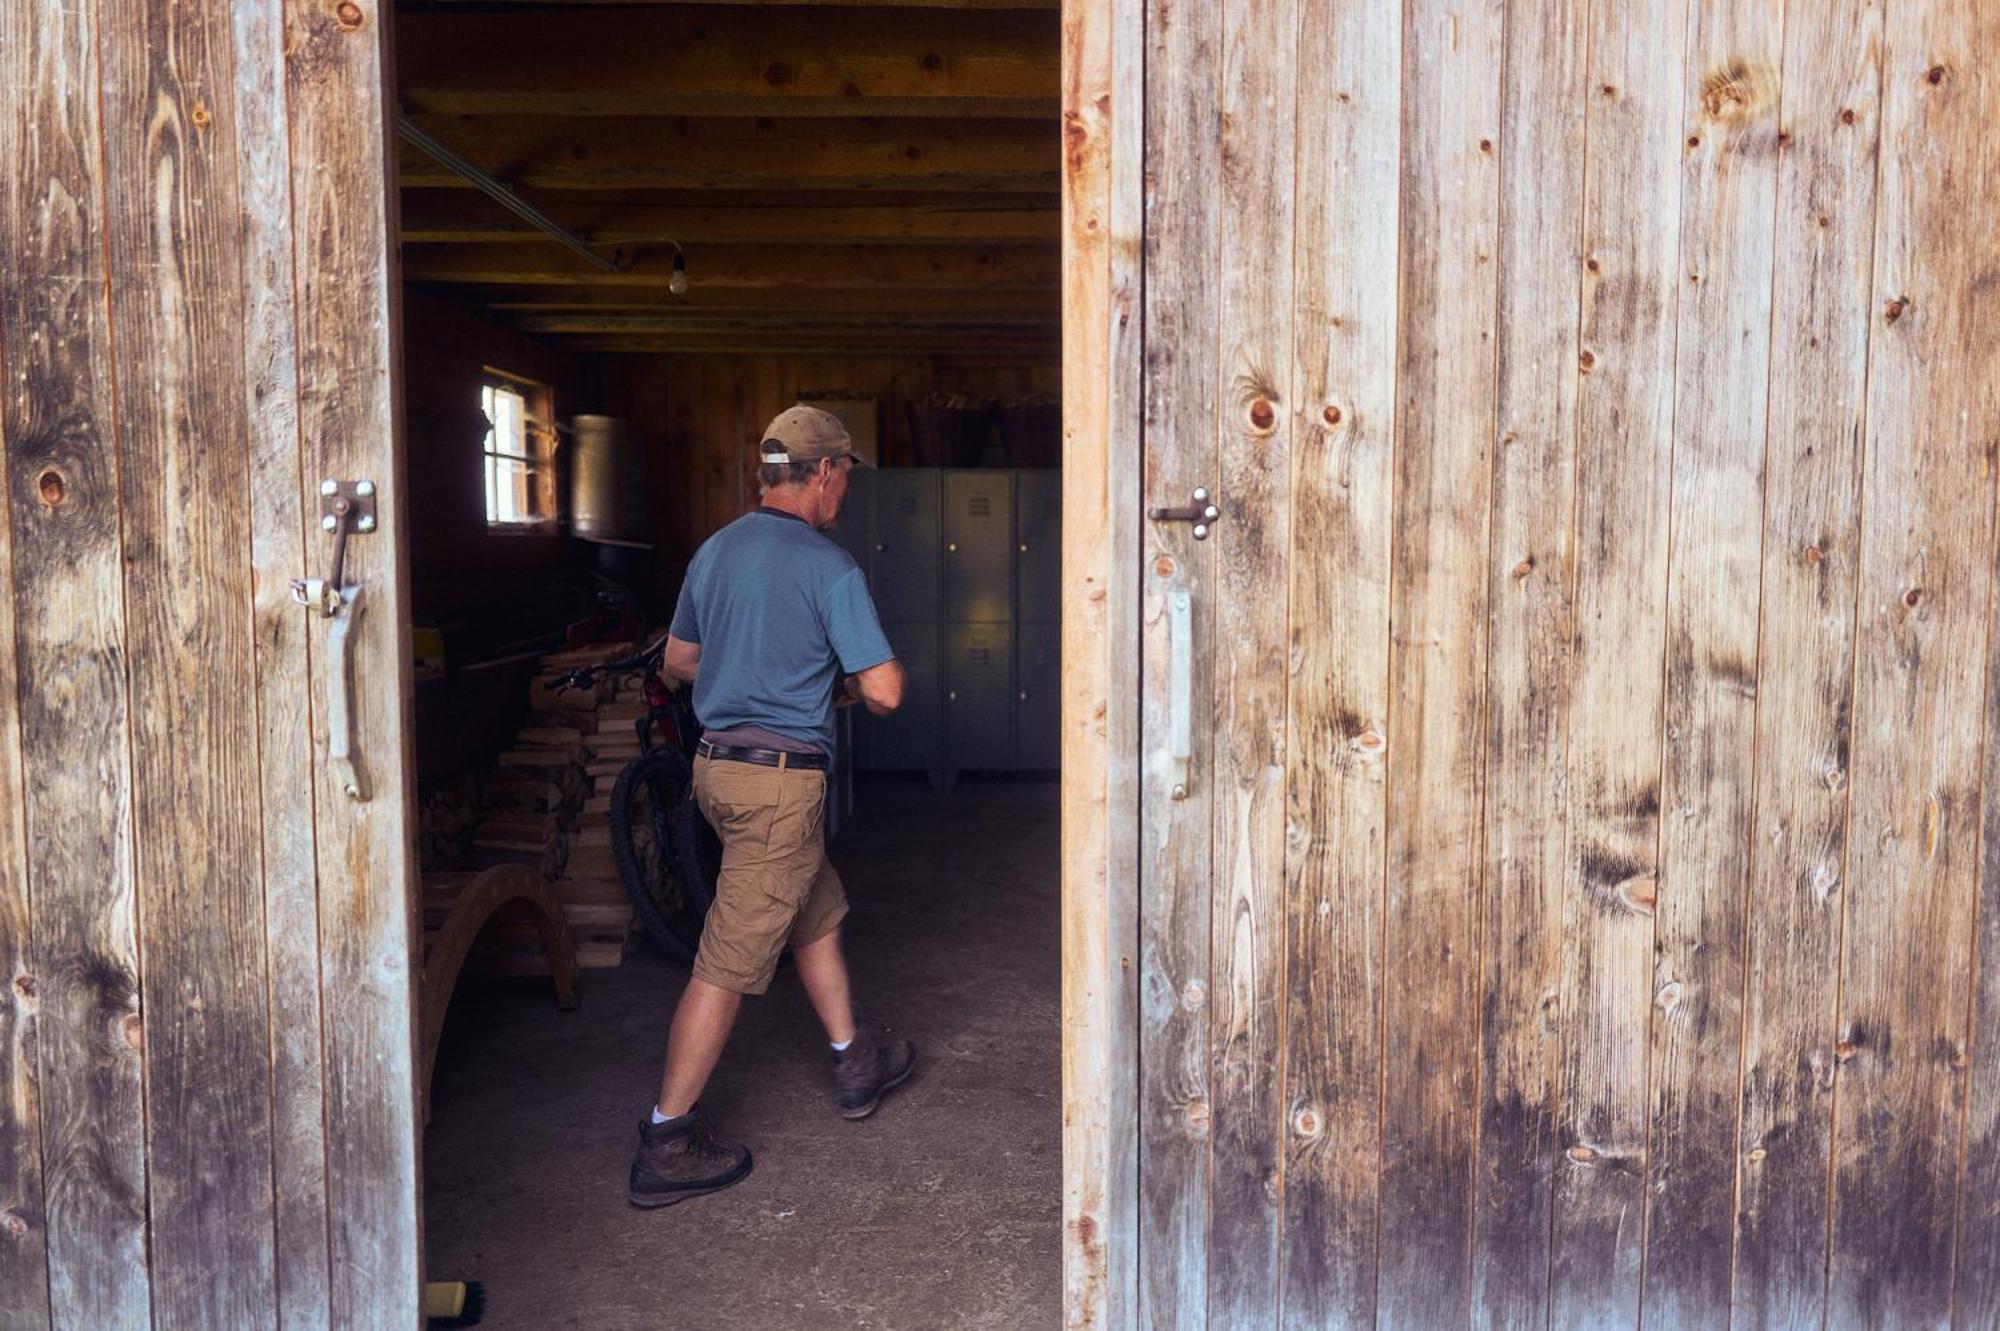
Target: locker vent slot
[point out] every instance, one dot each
(980, 506)
(907, 506)
(980, 656)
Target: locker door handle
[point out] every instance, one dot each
(1180, 688)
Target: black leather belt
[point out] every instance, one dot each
(811, 762)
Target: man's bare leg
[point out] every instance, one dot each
(694, 1043)
(823, 971)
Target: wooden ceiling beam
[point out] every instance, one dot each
(688, 153)
(432, 216)
(446, 6)
(1037, 351)
(838, 322)
(730, 60)
(823, 268)
(554, 299)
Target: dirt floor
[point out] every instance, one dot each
(942, 1210)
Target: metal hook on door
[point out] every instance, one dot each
(344, 506)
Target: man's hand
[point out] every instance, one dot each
(880, 687)
(843, 693)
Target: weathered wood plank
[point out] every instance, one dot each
(175, 288)
(1252, 544)
(283, 678)
(24, 1259)
(730, 61)
(828, 267)
(1344, 403)
(680, 153)
(349, 429)
(434, 216)
(56, 419)
(1926, 580)
(1438, 608)
(1730, 104)
(1182, 315)
(1529, 572)
(1798, 846)
(1103, 119)
(1624, 440)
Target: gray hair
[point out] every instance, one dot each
(771, 475)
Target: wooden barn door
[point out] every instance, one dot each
(1565, 883)
(205, 1030)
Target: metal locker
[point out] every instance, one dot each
(850, 530)
(1038, 697)
(979, 546)
(904, 573)
(979, 697)
(911, 739)
(1038, 545)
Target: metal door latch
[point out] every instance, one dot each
(1201, 513)
(344, 506)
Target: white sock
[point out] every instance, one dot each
(840, 1047)
(659, 1118)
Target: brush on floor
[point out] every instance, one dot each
(454, 1302)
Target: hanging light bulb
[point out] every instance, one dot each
(678, 283)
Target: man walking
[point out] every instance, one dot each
(774, 628)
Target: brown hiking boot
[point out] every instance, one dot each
(868, 1068)
(682, 1159)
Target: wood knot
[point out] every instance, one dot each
(1164, 566)
(15, 1226)
(53, 488)
(1846, 115)
(1585, 361)
(1641, 894)
(1370, 741)
(1813, 554)
(1756, 1157)
(1834, 777)
(1524, 568)
(133, 1028)
(1935, 75)
(1669, 996)
(1592, 265)
(26, 986)
(1486, 145)
(1583, 1155)
(1261, 414)
(1198, 1118)
(777, 74)
(1895, 309)
(1609, 90)
(1735, 91)
(1194, 995)
(1845, 1050)
(199, 116)
(1306, 1122)
(348, 15)
(1331, 415)
(1913, 597)
(1694, 140)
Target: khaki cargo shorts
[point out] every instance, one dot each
(776, 888)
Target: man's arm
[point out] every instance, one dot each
(880, 687)
(683, 659)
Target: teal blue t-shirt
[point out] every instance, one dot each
(781, 612)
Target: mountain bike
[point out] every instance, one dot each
(667, 854)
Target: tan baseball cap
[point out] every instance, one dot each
(806, 434)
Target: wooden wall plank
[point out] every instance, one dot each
(56, 417)
(1529, 573)
(1438, 608)
(1624, 445)
(1251, 546)
(175, 287)
(1926, 582)
(1730, 118)
(24, 1256)
(278, 553)
(1182, 233)
(349, 427)
(1103, 123)
(1798, 847)
(1346, 258)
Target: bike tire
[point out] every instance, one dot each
(670, 907)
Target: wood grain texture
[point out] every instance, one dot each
(730, 61)
(1798, 846)
(1252, 544)
(1344, 409)
(1926, 585)
(1103, 120)
(1730, 104)
(69, 652)
(1183, 231)
(1529, 571)
(349, 429)
(175, 284)
(1624, 409)
(278, 553)
(1438, 609)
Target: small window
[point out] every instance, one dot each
(520, 447)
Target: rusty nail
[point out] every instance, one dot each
(1331, 415)
(349, 14)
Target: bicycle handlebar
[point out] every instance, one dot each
(643, 662)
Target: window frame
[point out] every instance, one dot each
(537, 457)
